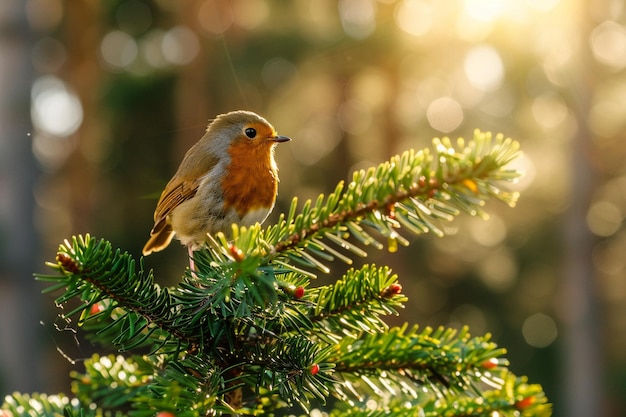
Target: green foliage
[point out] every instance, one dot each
(247, 332)
(513, 398)
(25, 405)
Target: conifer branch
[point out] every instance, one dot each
(515, 398)
(414, 191)
(442, 356)
(40, 404)
(118, 304)
(361, 297)
(405, 186)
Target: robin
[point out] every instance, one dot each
(229, 176)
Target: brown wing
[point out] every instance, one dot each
(172, 197)
(198, 161)
(162, 233)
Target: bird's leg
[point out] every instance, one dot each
(192, 264)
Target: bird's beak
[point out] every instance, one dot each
(279, 139)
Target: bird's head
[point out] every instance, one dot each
(244, 129)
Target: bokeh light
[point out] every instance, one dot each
(490, 232)
(444, 114)
(539, 330)
(414, 17)
(118, 49)
(608, 44)
(549, 110)
(358, 17)
(48, 55)
(604, 218)
(150, 49)
(56, 109)
(486, 10)
(215, 17)
(484, 68)
(180, 45)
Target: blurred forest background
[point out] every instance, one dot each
(99, 100)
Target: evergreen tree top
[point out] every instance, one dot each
(249, 333)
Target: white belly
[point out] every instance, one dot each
(255, 216)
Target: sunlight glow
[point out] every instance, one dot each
(608, 44)
(415, 17)
(484, 68)
(488, 11)
(542, 5)
(485, 10)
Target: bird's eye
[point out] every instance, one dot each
(250, 132)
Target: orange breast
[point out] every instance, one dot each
(251, 181)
